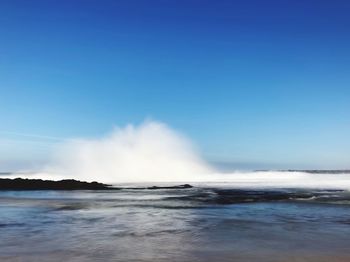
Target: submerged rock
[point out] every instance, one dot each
(184, 186)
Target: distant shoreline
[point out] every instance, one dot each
(310, 171)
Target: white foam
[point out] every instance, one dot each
(152, 152)
(279, 179)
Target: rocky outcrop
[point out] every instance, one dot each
(68, 184)
(39, 184)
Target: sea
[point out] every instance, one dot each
(209, 222)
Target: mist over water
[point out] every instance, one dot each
(148, 152)
(153, 152)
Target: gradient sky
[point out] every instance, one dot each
(255, 84)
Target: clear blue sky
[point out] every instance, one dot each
(260, 84)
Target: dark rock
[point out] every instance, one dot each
(171, 187)
(68, 184)
(184, 186)
(39, 184)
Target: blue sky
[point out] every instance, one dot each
(255, 84)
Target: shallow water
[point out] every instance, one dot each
(199, 224)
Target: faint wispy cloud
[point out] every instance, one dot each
(32, 136)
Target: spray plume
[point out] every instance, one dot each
(152, 152)
(149, 152)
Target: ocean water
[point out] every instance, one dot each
(204, 223)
